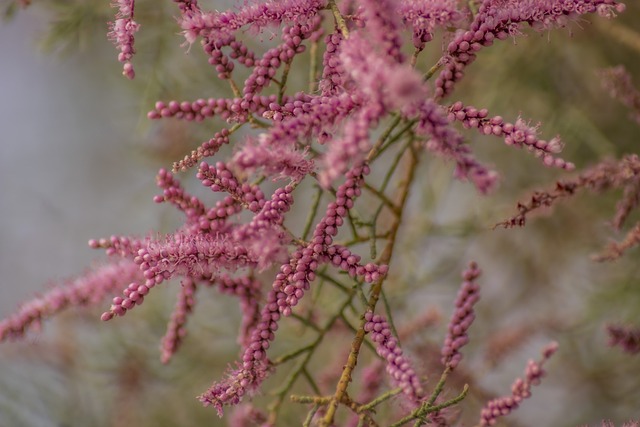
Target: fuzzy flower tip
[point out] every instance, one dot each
(617, 81)
(443, 140)
(87, 290)
(500, 19)
(254, 367)
(231, 390)
(254, 15)
(122, 31)
(518, 134)
(398, 366)
(462, 318)
(424, 16)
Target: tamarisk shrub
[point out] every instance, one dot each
(322, 170)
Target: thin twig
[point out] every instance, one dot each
(340, 22)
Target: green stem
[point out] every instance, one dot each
(382, 398)
(339, 285)
(313, 66)
(312, 213)
(373, 153)
(302, 366)
(432, 70)
(283, 83)
(387, 309)
(439, 386)
(393, 139)
(306, 322)
(310, 415)
(292, 355)
(426, 409)
(383, 197)
(311, 381)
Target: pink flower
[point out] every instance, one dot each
(85, 291)
(122, 31)
(398, 366)
(625, 337)
(520, 390)
(462, 317)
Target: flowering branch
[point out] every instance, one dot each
(520, 390)
(359, 135)
(374, 295)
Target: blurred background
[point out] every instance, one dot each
(78, 161)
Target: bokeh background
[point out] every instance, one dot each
(78, 161)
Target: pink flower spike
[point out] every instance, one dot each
(253, 368)
(626, 338)
(425, 16)
(295, 277)
(617, 81)
(442, 139)
(399, 367)
(503, 19)
(176, 330)
(85, 291)
(462, 317)
(518, 134)
(520, 390)
(122, 31)
(383, 26)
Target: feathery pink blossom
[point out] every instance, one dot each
(383, 26)
(617, 81)
(383, 85)
(254, 368)
(257, 16)
(122, 31)
(275, 161)
(87, 290)
(500, 19)
(519, 134)
(630, 423)
(445, 141)
(425, 16)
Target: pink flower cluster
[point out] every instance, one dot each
(296, 276)
(617, 81)
(122, 31)
(520, 390)
(518, 133)
(254, 366)
(332, 135)
(398, 366)
(625, 337)
(501, 19)
(85, 291)
(462, 317)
